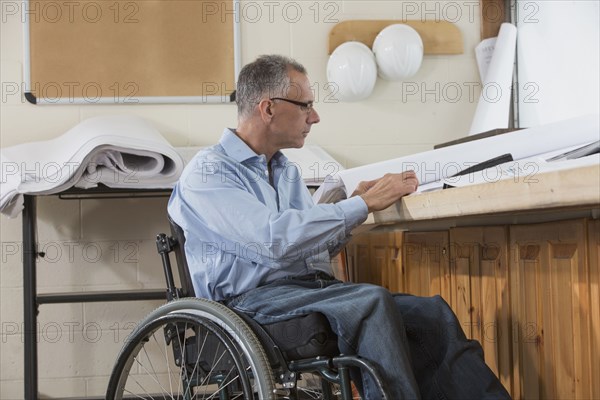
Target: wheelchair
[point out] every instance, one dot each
(193, 348)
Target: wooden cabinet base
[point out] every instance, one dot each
(530, 294)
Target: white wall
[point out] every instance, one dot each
(95, 245)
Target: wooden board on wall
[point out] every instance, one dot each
(126, 51)
(439, 37)
(493, 14)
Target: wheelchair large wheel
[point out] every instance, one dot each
(192, 349)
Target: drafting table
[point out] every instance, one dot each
(517, 261)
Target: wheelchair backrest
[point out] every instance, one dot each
(187, 288)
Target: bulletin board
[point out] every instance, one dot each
(131, 51)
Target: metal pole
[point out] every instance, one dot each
(29, 299)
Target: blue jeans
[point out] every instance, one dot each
(416, 343)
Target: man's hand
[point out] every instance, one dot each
(381, 193)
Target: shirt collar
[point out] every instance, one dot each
(237, 149)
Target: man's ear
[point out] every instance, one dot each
(266, 112)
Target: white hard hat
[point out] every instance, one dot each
(353, 70)
(398, 50)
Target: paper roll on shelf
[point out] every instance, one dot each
(118, 151)
(493, 108)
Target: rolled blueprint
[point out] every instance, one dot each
(494, 101)
(119, 151)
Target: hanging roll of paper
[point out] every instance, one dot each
(494, 101)
(483, 53)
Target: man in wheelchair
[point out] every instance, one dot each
(256, 242)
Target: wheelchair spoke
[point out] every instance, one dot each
(214, 364)
(151, 372)
(228, 383)
(312, 393)
(181, 373)
(169, 371)
(154, 377)
(137, 395)
(196, 364)
(209, 360)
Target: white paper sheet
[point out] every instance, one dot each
(119, 151)
(525, 170)
(314, 163)
(483, 53)
(434, 165)
(494, 101)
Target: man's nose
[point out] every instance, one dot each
(313, 117)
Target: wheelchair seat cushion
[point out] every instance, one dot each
(302, 337)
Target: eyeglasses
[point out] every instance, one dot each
(308, 107)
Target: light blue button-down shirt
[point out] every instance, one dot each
(242, 231)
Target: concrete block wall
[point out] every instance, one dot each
(109, 244)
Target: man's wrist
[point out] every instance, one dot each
(355, 211)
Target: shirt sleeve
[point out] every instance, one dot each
(226, 212)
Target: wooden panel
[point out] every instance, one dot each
(396, 276)
(532, 297)
(357, 256)
(594, 266)
(493, 14)
(426, 265)
(460, 269)
(383, 251)
(479, 264)
(373, 257)
(339, 267)
(439, 37)
(551, 308)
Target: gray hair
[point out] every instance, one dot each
(267, 76)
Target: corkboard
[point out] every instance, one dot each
(125, 51)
